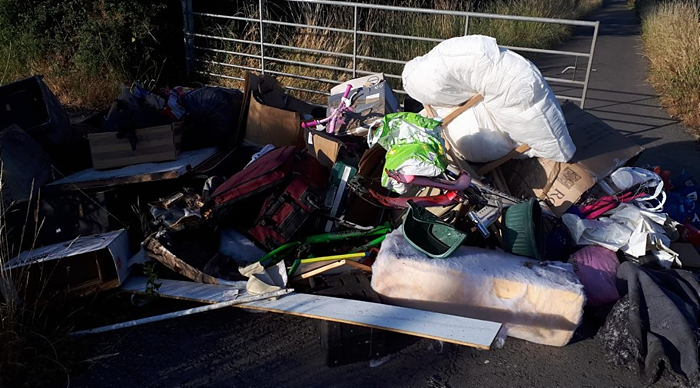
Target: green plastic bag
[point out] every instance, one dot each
(414, 146)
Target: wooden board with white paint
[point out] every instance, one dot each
(426, 324)
(184, 290)
(442, 327)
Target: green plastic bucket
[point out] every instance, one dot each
(523, 231)
(428, 234)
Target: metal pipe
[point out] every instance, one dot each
(223, 38)
(382, 60)
(227, 64)
(308, 50)
(227, 52)
(466, 25)
(588, 67)
(307, 90)
(387, 75)
(564, 81)
(288, 24)
(330, 81)
(447, 12)
(188, 27)
(182, 313)
(545, 51)
(568, 98)
(301, 63)
(385, 35)
(354, 44)
(214, 15)
(219, 75)
(262, 38)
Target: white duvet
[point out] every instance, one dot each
(518, 107)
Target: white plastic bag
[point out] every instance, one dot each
(626, 228)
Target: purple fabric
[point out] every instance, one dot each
(596, 268)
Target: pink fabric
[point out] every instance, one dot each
(604, 204)
(596, 268)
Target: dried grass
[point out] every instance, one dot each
(671, 35)
(29, 345)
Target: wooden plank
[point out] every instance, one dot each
(463, 108)
(357, 265)
(146, 172)
(317, 271)
(442, 327)
(426, 324)
(321, 270)
(157, 251)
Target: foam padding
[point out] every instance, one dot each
(541, 302)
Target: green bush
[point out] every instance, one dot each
(82, 46)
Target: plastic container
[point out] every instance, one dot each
(428, 234)
(523, 232)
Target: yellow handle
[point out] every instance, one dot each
(336, 257)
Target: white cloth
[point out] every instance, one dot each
(629, 229)
(262, 280)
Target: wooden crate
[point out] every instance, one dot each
(155, 144)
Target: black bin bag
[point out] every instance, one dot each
(212, 118)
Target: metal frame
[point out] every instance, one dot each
(191, 47)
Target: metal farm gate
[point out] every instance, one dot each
(313, 45)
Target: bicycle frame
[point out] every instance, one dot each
(335, 120)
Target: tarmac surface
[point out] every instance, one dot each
(235, 348)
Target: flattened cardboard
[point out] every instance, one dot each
(600, 150)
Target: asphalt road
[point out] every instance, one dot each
(234, 348)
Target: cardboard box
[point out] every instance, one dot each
(600, 150)
(154, 144)
(324, 147)
(78, 267)
(269, 115)
(374, 99)
(269, 125)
